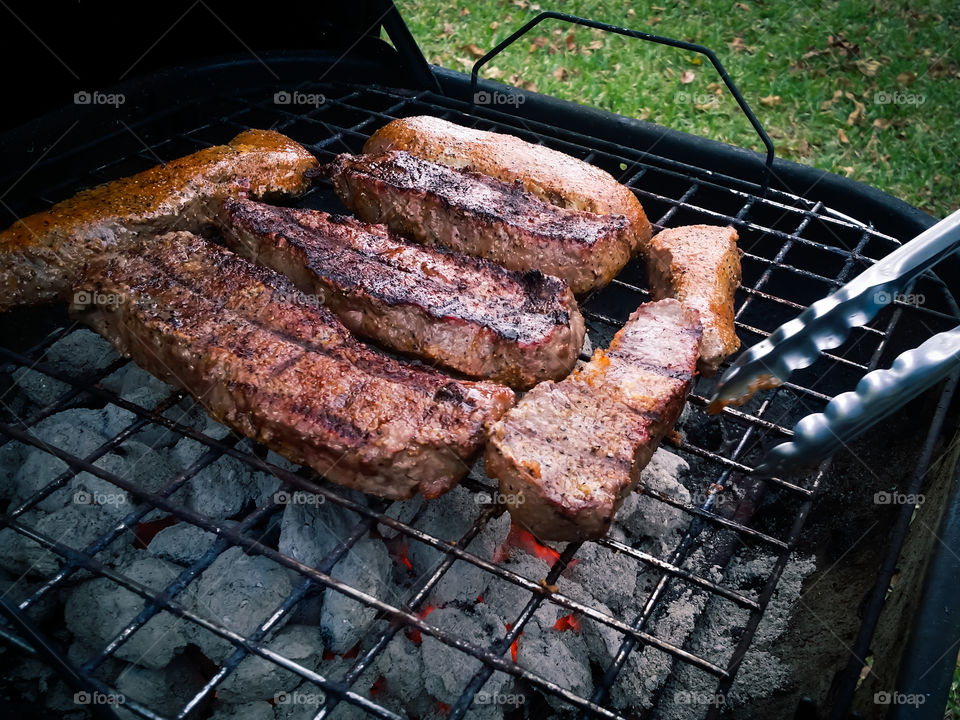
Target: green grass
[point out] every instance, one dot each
(813, 72)
(953, 702)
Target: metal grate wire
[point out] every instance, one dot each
(787, 241)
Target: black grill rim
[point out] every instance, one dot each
(701, 516)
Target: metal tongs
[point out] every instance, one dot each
(825, 325)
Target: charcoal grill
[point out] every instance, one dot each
(803, 233)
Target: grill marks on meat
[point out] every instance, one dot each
(553, 176)
(286, 374)
(569, 453)
(41, 254)
(483, 216)
(469, 314)
(699, 265)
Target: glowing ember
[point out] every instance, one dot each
(568, 622)
(379, 686)
(147, 531)
(479, 598)
(399, 549)
(525, 541)
(516, 640)
(443, 708)
(413, 634)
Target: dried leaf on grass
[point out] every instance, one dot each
(869, 66)
(858, 109)
(687, 76)
(770, 100)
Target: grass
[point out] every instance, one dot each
(867, 90)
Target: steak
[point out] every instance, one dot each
(699, 265)
(570, 452)
(268, 363)
(41, 255)
(468, 314)
(553, 176)
(480, 215)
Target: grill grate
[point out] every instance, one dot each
(794, 252)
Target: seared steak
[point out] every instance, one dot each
(265, 361)
(553, 176)
(480, 215)
(468, 314)
(699, 265)
(569, 453)
(41, 254)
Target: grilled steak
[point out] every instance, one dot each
(569, 453)
(699, 265)
(469, 314)
(41, 254)
(480, 215)
(553, 176)
(269, 364)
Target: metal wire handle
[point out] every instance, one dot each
(660, 40)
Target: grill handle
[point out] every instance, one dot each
(659, 39)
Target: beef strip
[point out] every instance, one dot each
(468, 314)
(551, 175)
(569, 453)
(480, 215)
(285, 372)
(699, 265)
(41, 255)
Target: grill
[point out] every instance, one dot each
(797, 247)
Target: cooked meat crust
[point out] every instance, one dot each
(283, 371)
(468, 314)
(41, 254)
(480, 215)
(699, 265)
(553, 176)
(569, 453)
